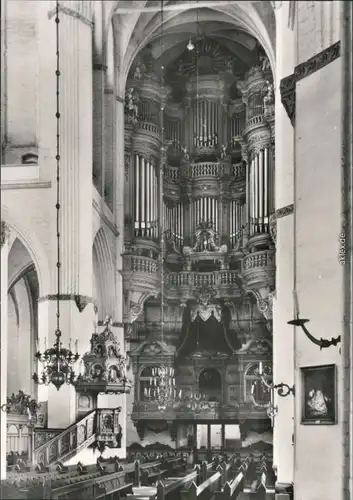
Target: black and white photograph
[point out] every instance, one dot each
(176, 250)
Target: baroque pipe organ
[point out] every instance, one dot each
(199, 184)
(219, 160)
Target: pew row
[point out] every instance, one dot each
(95, 481)
(171, 487)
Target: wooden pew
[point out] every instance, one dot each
(149, 473)
(103, 480)
(212, 481)
(231, 489)
(30, 484)
(176, 465)
(205, 490)
(264, 488)
(168, 488)
(218, 486)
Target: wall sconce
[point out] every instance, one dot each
(322, 343)
(271, 410)
(283, 390)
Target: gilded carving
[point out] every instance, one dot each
(5, 233)
(287, 90)
(273, 227)
(317, 62)
(103, 368)
(284, 211)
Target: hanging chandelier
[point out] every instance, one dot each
(190, 46)
(196, 402)
(162, 390)
(58, 362)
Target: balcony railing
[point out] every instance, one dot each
(193, 279)
(139, 264)
(148, 127)
(259, 260)
(206, 169)
(252, 122)
(172, 173)
(238, 170)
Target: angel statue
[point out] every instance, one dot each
(139, 70)
(268, 97)
(131, 101)
(223, 151)
(185, 153)
(265, 63)
(229, 65)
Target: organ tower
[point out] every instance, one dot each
(199, 257)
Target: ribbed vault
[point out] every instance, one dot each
(138, 24)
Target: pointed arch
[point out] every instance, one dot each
(34, 247)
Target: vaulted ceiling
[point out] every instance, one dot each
(237, 26)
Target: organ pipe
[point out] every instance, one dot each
(146, 196)
(137, 193)
(261, 186)
(259, 191)
(205, 123)
(237, 220)
(174, 223)
(205, 119)
(205, 209)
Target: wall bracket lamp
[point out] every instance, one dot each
(282, 389)
(322, 343)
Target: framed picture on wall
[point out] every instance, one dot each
(319, 395)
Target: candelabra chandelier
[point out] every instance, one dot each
(58, 362)
(162, 388)
(283, 390)
(196, 402)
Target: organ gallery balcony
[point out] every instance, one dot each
(143, 273)
(216, 170)
(140, 271)
(183, 284)
(258, 268)
(254, 123)
(145, 410)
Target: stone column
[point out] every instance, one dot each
(76, 308)
(98, 121)
(118, 127)
(3, 343)
(283, 334)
